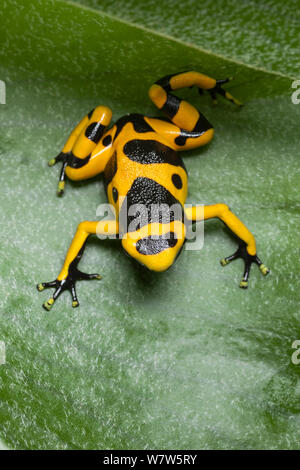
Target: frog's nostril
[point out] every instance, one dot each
(153, 245)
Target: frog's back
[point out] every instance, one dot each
(144, 160)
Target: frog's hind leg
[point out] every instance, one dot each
(82, 141)
(193, 129)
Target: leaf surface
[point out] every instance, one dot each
(178, 360)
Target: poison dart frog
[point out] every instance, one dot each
(142, 168)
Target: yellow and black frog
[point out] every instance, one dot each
(146, 181)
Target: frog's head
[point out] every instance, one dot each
(151, 222)
(155, 245)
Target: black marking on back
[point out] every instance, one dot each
(148, 192)
(177, 181)
(138, 122)
(110, 170)
(76, 162)
(95, 131)
(153, 246)
(202, 125)
(151, 151)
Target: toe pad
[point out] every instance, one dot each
(244, 284)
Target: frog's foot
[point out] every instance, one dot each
(66, 284)
(242, 252)
(218, 90)
(61, 157)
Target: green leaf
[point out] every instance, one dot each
(102, 43)
(262, 34)
(183, 359)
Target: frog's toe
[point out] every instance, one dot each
(60, 188)
(224, 262)
(44, 285)
(85, 276)
(61, 157)
(48, 304)
(264, 270)
(218, 90)
(59, 288)
(77, 275)
(244, 284)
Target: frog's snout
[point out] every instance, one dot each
(156, 246)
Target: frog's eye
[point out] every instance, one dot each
(153, 245)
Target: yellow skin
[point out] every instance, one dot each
(138, 156)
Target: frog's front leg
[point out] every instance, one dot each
(247, 245)
(70, 274)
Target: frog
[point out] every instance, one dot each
(139, 157)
